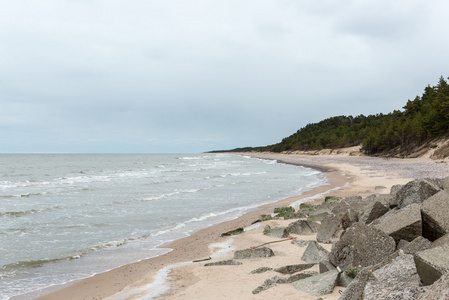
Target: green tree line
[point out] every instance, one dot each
(422, 119)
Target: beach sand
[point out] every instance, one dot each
(175, 276)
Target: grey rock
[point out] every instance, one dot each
(401, 244)
(372, 211)
(415, 191)
(395, 189)
(302, 227)
(397, 280)
(432, 264)
(361, 245)
(224, 263)
(318, 217)
(418, 244)
(382, 198)
(294, 215)
(252, 253)
(356, 288)
(352, 199)
(444, 240)
(271, 282)
(260, 270)
(291, 269)
(265, 286)
(326, 266)
(444, 182)
(435, 212)
(315, 253)
(301, 243)
(279, 232)
(306, 208)
(437, 291)
(402, 224)
(346, 214)
(330, 230)
(379, 187)
(344, 280)
(296, 277)
(318, 285)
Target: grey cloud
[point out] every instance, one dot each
(155, 76)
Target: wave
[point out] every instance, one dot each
(191, 157)
(11, 269)
(25, 212)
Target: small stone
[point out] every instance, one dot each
(223, 263)
(291, 269)
(252, 253)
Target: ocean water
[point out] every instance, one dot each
(65, 217)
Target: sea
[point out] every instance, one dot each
(64, 217)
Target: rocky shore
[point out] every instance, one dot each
(377, 231)
(384, 246)
(381, 243)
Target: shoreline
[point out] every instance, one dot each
(190, 248)
(134, 280)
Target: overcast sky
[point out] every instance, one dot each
(151, 76)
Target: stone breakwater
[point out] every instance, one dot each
(384, 246)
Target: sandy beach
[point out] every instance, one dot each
(175, 275)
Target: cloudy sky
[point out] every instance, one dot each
(151, 76)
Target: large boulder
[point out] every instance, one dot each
(437, 291)
(397, 280)
(302, 227)
(279, 232)
(402, 224)
(395, 189)
(347, 213)
(361, 245)
(318, 285)
(435, 212)
(418, 244)
(252, 253)
(330, 230)
(355, 290)
(415, 191)
(442, 241)
(432, 264)
(372, 211)
(315, 253)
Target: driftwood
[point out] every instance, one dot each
(283, 240)
(204, 259)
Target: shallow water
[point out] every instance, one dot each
(65, 217)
